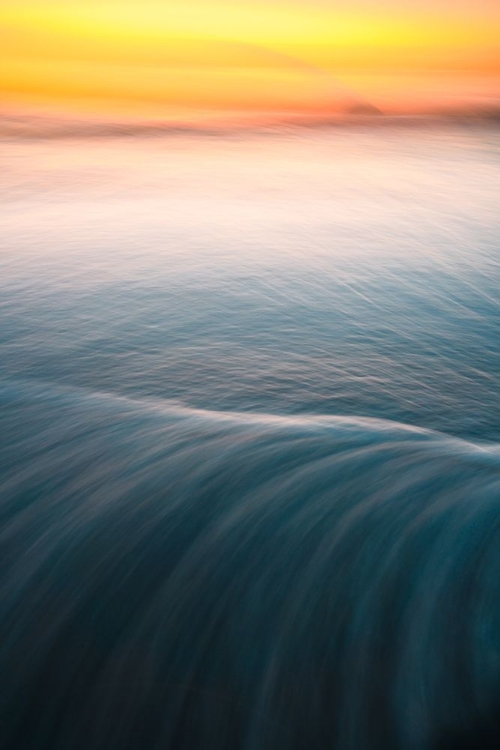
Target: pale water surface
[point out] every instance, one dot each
(341, 271)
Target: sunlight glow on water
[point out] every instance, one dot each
(344, 271)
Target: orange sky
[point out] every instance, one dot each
(153, 58)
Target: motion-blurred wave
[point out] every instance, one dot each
(203, 544)
(174, 578)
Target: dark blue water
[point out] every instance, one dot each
(250, 441)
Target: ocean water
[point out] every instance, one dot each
(250, 440)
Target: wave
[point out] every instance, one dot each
(173, 578)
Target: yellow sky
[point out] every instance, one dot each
(153, 58)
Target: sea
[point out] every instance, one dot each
(250, 439)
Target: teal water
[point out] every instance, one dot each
(250, 440)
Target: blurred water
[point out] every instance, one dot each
(346, 271)
(250, 441)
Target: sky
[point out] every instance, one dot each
(199, 58)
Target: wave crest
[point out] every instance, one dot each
(181, 579)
